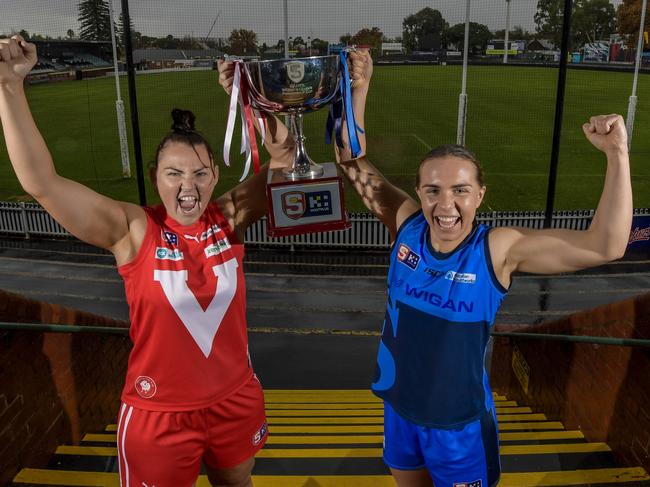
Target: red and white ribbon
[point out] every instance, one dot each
(240, 96)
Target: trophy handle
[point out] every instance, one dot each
(303, 166)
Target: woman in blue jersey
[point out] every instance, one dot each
(446, 281)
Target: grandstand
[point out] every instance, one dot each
(174, 58)
(66, 55)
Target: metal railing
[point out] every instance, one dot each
(31, 220)
(123, 330)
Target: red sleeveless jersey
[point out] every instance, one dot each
(187, 304)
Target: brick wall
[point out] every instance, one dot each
(602, 390)
(54, 386)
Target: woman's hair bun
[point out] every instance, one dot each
(183, 120)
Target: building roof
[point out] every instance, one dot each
(140, 55)
(540, 45)
(202, 53)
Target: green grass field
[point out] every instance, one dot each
(410, 109)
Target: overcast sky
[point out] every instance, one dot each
(326, 19)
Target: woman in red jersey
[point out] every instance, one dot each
(190, 394)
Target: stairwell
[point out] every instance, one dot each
(333, 438)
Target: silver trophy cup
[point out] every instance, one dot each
(293, 87)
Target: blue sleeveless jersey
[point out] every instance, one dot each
(439, 313)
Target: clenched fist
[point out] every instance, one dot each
(607, 133)
(226, 74)
(360, 68)
(17, 58)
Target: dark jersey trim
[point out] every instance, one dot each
(445, 255)
(428, 424)
(408, 220)
(488, 260)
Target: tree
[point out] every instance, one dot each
(517, 33)
(423, 30)
(139, 41)
(369, 37)
(297, 43)
(548, 19)
(479, 35)
(319, 46)
(167, 42)
(70, 34)
(242, 41)
(593, 20)
(629, 18)
(121, 28)
(95, 20)
(345, 39)
(188, 42)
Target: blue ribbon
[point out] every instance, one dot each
(343, 102)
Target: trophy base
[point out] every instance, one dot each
(311, 172)
(305, 205)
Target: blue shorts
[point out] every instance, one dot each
(468, 456)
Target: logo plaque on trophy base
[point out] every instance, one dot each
(305, 205)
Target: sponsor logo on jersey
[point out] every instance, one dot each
(462, 277)
(438, 301)
(163, 253)
(407, 256)
(297, 204)
(145, 387)
(260, 434)
(209, 232)
(217, 247)
(170, 237)
(205, 235)
(476, 483)
(433, 272)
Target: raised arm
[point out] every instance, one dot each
(86, 214)
(555, 251)
(386, 201)
(246, 203)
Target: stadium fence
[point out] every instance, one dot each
(366, 232)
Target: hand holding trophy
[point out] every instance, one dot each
(307, 197)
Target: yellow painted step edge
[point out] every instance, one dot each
(534, 479)
(329, 439)
(109, 451)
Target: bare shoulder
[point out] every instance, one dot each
(127, 248)
(500, 241)
(501, 238)
(406, 210)
(233, 216)
(226, 205)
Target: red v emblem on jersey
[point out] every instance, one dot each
(202, 325)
